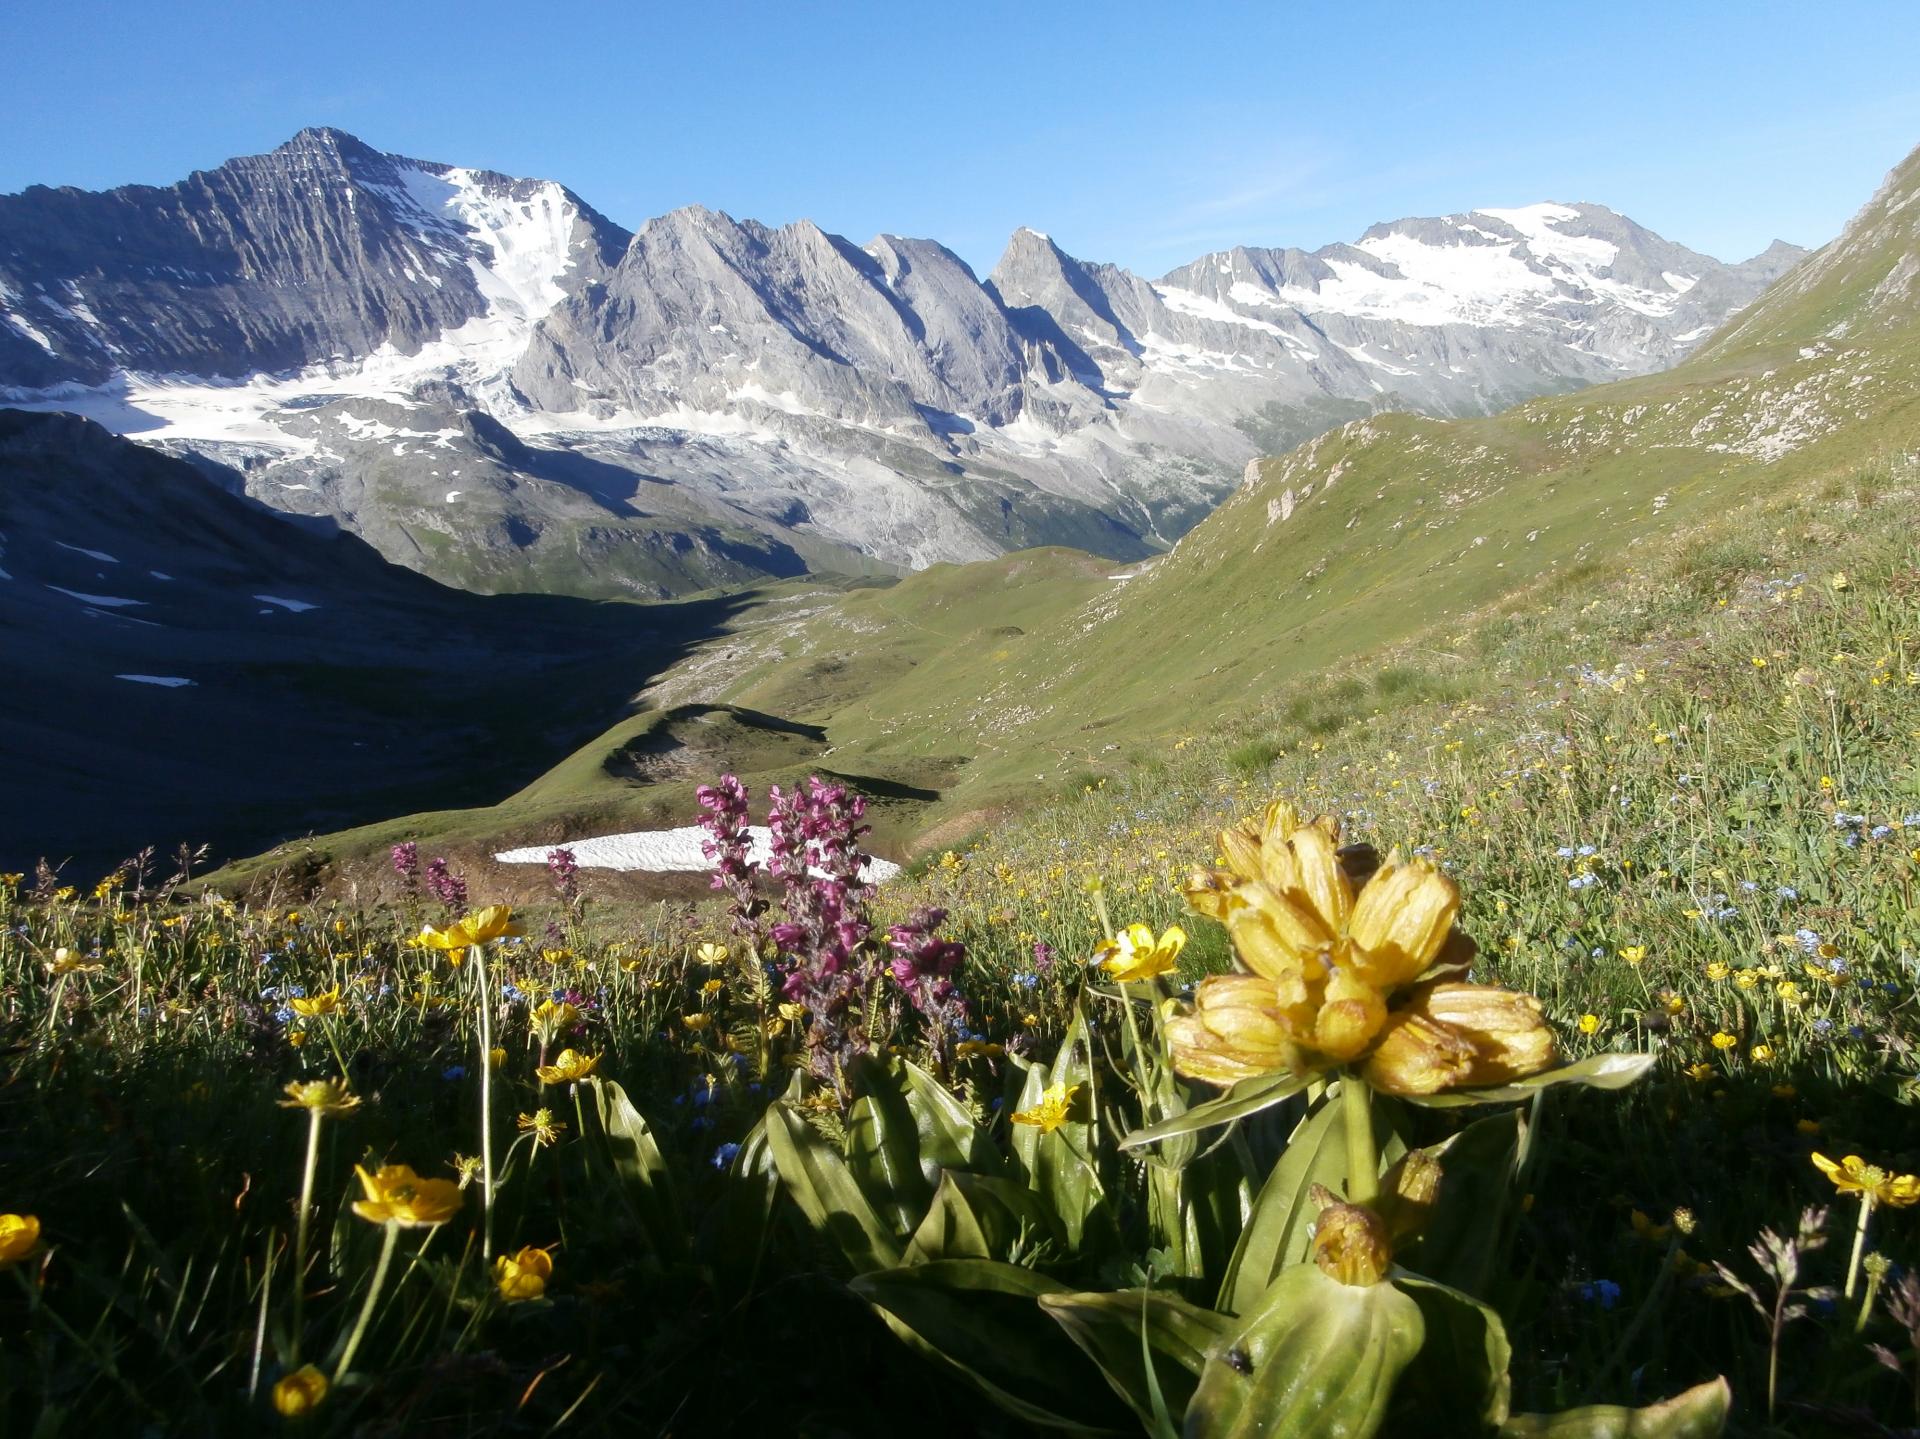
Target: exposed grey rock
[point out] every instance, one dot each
(710, 399)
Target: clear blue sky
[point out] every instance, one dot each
(1141, 133)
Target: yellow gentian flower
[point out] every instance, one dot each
(1136, 953)
(396, 1195)
(1345, 955)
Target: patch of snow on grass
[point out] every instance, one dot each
(664, 851)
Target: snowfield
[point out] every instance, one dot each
(664, 851)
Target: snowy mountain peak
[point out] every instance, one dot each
(403, 345)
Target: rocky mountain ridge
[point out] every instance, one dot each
(347, 334)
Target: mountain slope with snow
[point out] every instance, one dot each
(494, 384)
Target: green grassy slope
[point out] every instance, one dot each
(992, 684)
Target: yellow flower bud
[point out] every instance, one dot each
(1351, 1245)
(1408, 1192)
(300, 1392)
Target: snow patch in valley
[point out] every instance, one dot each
(104, 601)
(172, 682)
(294, 605)
(664, 851)
(100, 555)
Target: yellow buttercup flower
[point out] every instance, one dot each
(570, 1066)
(697, 1022)
(1136, 953)
(1589, 1024)
(19, 1237)
(1051, 1112)
(712, 954)
(481, 927)
(553, 1018)
(1634, 953)
(545, 1129)
(396, 1195)
(497, 1057)
(524, 1275)
(65, 961)
(326, 1096)
(1853, 1175)
(1718, 971)
(1761, 1054)
(315, 1005)
(300, 1392)
(1346, 957)
(1723, 1040)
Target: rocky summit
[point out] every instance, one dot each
(494, 384)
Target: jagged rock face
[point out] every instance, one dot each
(715, 314)
(323, 250)
(329, 325)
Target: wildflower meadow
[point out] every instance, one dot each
(1512, 1040)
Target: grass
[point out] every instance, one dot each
(1645, 783)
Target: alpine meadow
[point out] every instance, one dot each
(708, 828)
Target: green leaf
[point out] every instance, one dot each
(736, 1226)
(1109, 1328)
(1460, 1243)
(1317, 1360)
(950, 1137)
(1462, 1366)
(883, 1148)
(980, 1317)
(976, 1216)
(1249, 1096)
(1599, 1071)
(1280, 1228)
(635, 1156)
(824, 1187)
(1059, 1165)
(1700, 1413)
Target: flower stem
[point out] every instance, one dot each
(1859, 1243)
(387, 1242)
(1363, 1160)
(486, 1100)
(326, 1028)
(314, 1117)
